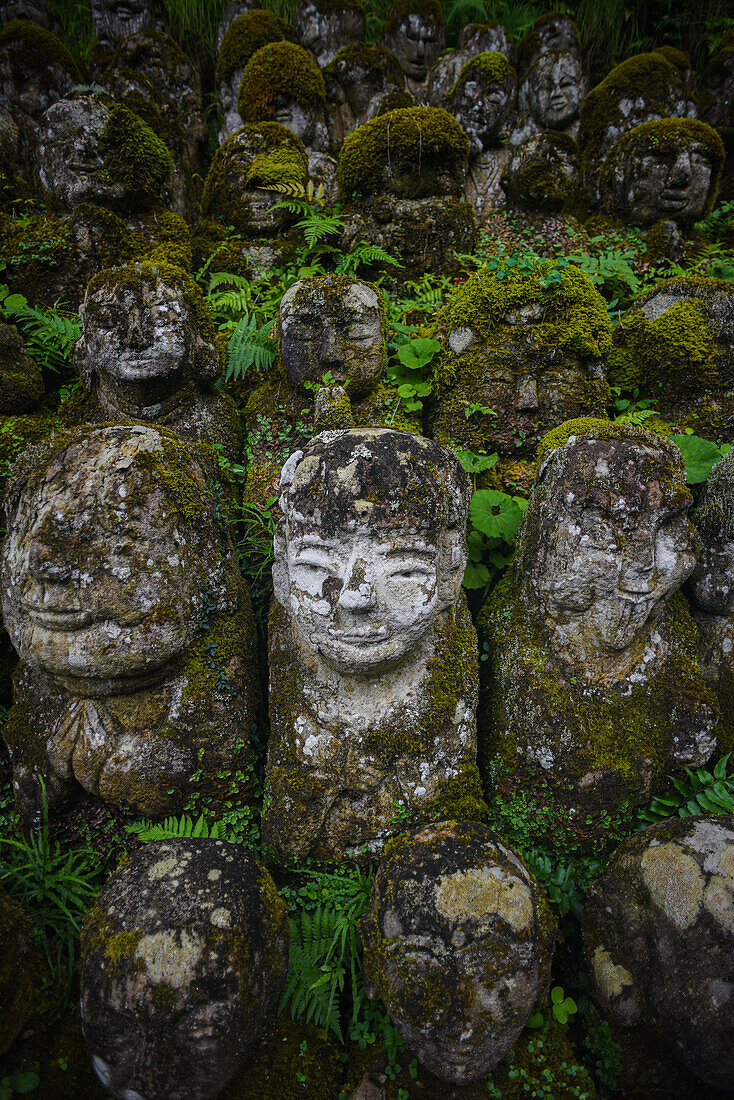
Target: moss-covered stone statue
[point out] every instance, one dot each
(484, 103)
(326, 26)
(474, 39)
(358, 81)
(520, 355)
(245, 35)
(550, 95)
(183, 952)
(541, 173)
(233, 9)
(458, 942)
(403, 175)
(122, 596)
(553, 31)
(594, 689)
(712, 590)
(282, 83)
(332, 352)
(248, 177)
(659, 939)
(114, 20)
(687, 325)
(667, 170)
(373, 665)
(21, 383)
(415, 32)
(147, 351)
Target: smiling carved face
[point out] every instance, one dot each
(669, 185)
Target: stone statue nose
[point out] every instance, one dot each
(329, 346)
(681, 171)
(136, 336)
(638, 565)
(357, 593)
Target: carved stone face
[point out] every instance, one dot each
(481, 107)
(173, 1014)
(416, 43)
(365, 579)
(332, 324)
(325, 32)
(668, 185)
(70, 163)
(616, 541)
(100, 576)
(115, 19)
(299, 119)
(557, 34)
(556, 88)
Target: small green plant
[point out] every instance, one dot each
(411, 373)
(699, 455)
(185, 826)
(701, 792)
(250, 345)
(562, 1007)
(494, 519)
(18, 1085)
(49, 334)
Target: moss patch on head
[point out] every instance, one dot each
(362, 56)
(30, 48)
(280, 69)
(591, 427)
(408, 142)
(135, 157)
(246, 35)
(429, 10)
(490, 67)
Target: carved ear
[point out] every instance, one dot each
(451, 566)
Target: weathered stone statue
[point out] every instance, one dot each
(325, 27)
(233, 9)
(21, 383)
(712, 590)
(282, 83)
(520, 356)
(329, 327)
(458, 942)
(122, 596)
(594, 687)
(183, 953)
(474, 39)
(402, 175)
(541, 174)
(665, 170)
(358, 82)
(415, 32)
(554, 31)
(659, 939)
(246, 34)
(484, 101)
(147, 352)
(688, 325)
(550, 95)
(114, 20)
(372, 651)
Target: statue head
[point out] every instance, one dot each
(113, 549)
(554, 88)
(182, 955)
(114, 20)
(483, 37)
(555, 31)
(333, 324)
(542, 172)
(370, 549)
(282, 83)
(606, 538)
(363, 73)
(414, 30)
(483, 98)
(324, 27)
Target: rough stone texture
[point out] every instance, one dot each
(31, 11)
(659, 938)
(717, 89)
(19, 971)
(325, 27)
(114, 20)
(122, 596)
(358, 81)
(182, 953)
(147, 352)
(667, 170)
(293, 1061)
(541, 173)
(414, 30)
(712, 590)
(246, 34)
(593, 687)
(457, 945)
(687, 324)
(21, 384)
(474, 39)
(554, 31)
(372, 652)
(532, 354)
(551, 94)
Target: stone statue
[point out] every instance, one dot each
(325, 27)
(659, 939)
(147, 352)
(594, 684)
(550, 95)
(664, 170)
(541, 174)
(114, 20)
(183, 953)
(458, 942)
(415, 32)
(372, 651)
(712, 590)
(483, 101)
(358, 81)
(246, 34)
(123, 598)
(233, 9)
(329, 327)
(474, 39)
(554, 31)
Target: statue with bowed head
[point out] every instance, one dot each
(483, 102)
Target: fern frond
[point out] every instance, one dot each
(364, 253)
(249, 345)
(702, 792)
(185, 826)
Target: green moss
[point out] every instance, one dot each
(135, 157)
(408, 143)
(429, 10)
(281, 69)
(35, 251)
(116, 243)
(294, 1061)
(542, 1063)
(395, 101)
(594, 428)
(490, 67)
(676, 57)
(360, 55)
(246, 35)
(30, 48)
(540, 182)
(121, 945)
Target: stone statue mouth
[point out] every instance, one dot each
(367, 636)
(673, 197)
(58, 619)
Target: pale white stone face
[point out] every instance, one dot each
(556, 88)
(363, 602)
(666, 187)
(416, 44)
